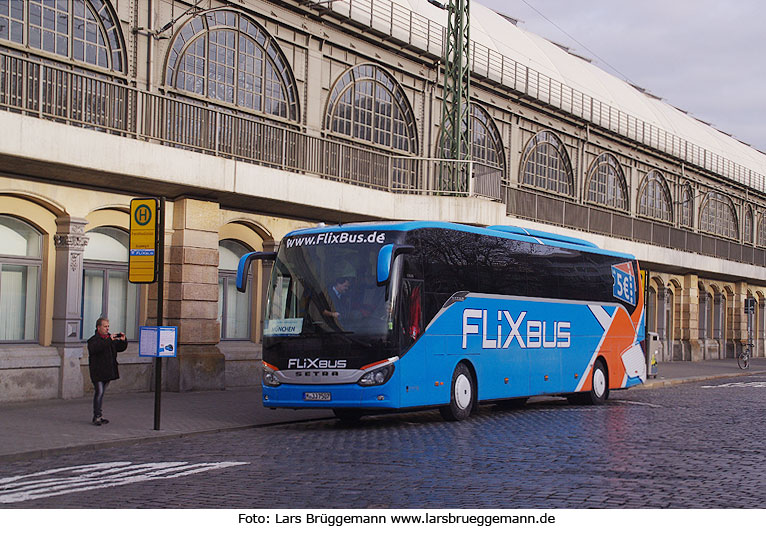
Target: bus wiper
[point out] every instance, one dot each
(339, 332)
(345, 335)
(333, 331)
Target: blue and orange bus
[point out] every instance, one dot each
(373, 317)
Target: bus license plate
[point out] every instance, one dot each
(317, 396)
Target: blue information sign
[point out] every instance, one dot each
(157, 341)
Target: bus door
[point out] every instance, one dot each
(414, 349)
(411, 312)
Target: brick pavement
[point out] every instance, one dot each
(39, 428)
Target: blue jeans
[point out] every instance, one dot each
(99, 388)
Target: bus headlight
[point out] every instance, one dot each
(269, 377)
(377, 376)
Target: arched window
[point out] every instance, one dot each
(81, 30)
(225, 56)
(666, 333)
(760, 238)
(546, 164)
(651, 309)
(705, 316)
(486, 145)
(367, 104)
(717, 216)
(718, 331)
(20, 267)
(233, 306)
(105, 290)
(654, 198)
(748, 234)
(687, 206)
(606, 183)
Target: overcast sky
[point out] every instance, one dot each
(706, 57)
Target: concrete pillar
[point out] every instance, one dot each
(760, 328)
(191, 298)
(690, 319)
(70, 242)
(739, 319)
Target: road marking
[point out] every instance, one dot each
(627, 402)
(753, 384)
(67, 480)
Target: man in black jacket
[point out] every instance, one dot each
(102, 361)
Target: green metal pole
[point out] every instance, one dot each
(455, 139)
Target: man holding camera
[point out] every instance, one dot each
(102, 361)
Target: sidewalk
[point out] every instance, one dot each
(673, 373)
(40, 428)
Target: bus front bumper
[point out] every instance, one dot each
(331, 396)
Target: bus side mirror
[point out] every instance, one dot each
(243, 268)
(386, 257)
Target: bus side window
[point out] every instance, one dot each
(410, 312)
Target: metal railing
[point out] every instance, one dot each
(54, 92)
(547, 209)
(421, 32)
(51, 92)
(472, 178)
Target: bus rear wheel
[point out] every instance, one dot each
(462, 394)
(599, 390)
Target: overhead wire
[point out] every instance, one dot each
(562, 30)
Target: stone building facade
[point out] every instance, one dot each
(254, 118)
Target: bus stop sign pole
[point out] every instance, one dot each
(147, 266)
(160, 300)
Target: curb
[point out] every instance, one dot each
(660, 383)
(94, 446)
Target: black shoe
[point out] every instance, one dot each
(104, 420)
(97, 420)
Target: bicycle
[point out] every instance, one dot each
(743, 359)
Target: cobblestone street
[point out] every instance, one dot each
(697, 445)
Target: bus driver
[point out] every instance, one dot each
(339, 298)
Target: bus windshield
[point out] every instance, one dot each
(326, 290)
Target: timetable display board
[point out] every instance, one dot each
(157, 341)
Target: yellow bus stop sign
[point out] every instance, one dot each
(142, 265)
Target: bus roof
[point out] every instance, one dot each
(503, 231)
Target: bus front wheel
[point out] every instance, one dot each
(462, 394)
